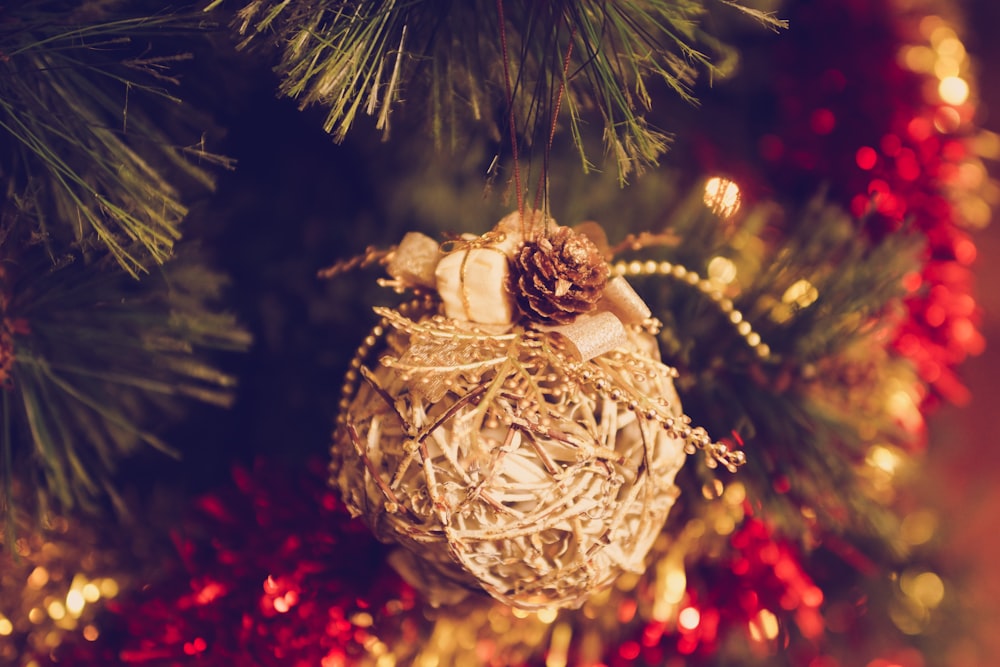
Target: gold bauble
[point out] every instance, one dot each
(500, 462)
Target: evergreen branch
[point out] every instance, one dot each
(824, 297)
(80, 144)
(359, 55)
(94, 355)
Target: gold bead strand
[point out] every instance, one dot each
(683, 274)
(695, 438)
(349, 387)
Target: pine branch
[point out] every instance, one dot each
(78, 99)
(92, 354)
(823, 298)
(372, 56)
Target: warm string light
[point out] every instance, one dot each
(722, 196)
(919, 593)
(56, 593)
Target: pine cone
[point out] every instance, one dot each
(558, 276)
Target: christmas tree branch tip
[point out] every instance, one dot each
(83, 144)
(514, 67)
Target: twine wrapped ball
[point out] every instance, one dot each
(502, 463)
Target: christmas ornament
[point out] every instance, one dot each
(559, 277)
(519, 433)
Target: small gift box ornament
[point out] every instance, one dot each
(518, 434)
(472, 283)
(473, 276)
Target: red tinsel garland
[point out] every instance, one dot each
(271, 571)
(852, 117)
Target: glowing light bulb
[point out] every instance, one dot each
(108, 588)
(38, 577)
(925, 588)
(953, 90)
(918, 58)
(362, 619)
(547, 615)
(947, 66)
(802, 293)
(884, 459)
(56, 610)
(558, 653)
(764, 625)
(689, 618)
(735, 493)
(722, 196)
(91, 593)
(676, 585)
(951, 46)
(75, 602)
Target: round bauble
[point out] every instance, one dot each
(503, 463)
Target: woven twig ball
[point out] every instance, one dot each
(501, 463)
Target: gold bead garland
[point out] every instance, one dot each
(655, 409)
(683, 274)
(349, 386)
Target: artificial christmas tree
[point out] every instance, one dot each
(781, 234)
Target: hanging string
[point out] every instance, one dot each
(510, 112)
(542, 188)
(544, 176)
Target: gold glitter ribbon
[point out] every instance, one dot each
(415, 259)
(592, 335)
(595, 334)
(623, 301)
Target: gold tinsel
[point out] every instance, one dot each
(54, 581)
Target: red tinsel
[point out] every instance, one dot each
(758, 590)
(270, 572)
(851, 117)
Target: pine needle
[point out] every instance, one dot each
(370, 57)
(96, 355)
(78, 140)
